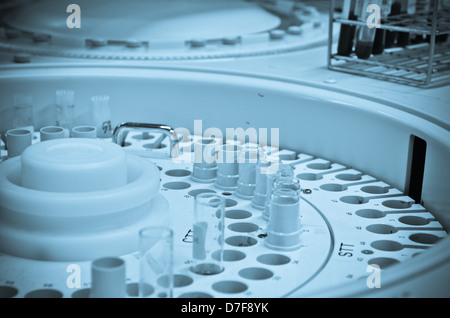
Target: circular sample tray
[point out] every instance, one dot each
(349, 220)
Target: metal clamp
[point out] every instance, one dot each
(121, 131)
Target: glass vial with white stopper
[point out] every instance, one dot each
(248, 159)
(266, 168)
(284, 228)
(65, 105)
(285, 172)
(101, 115)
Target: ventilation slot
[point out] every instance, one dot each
(416, 168)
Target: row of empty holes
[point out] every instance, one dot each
(351, 199)
(252, 273)
(383, 245)
(366, 213)
(225, 286)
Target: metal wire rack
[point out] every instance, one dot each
(425, 64)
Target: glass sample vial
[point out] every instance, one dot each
(265, 166)
(227, 167)
(347, 32)
(23, 112)
(156, 262)
(270, 179)
(391, 36)
(380, 34)
(208, 232)
(365, 34)
(247, 160)
(65, 109)
(101, 114)
(204, 169)
(284, 172)
(284, 228)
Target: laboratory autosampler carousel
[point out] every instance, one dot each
(162, 81)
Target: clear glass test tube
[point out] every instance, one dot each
(101, 114)
(65, 109)
(156, 262)
(23, 111)
(365, 35)
(284, 228)
(207, 248)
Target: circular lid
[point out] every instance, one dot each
(73, 165)
(156, 29)
(143, 20)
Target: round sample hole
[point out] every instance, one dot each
(424, 238)
(241, 241)
(154, 146)
(207, 269)
(237, 214)
(397, 204)
(82, 293)
(230, 203)
(255, 273)
(381, 229)
(143, 136)
(383, 262)
(334, 187)
(227, 193)
(385, 245)
(198, 191)
(176, 185)
(126, 144)
(178, 173)
(243, 227)
(309, 176)
(178, 280)
(229, 255)
(229, 287)
(195, 295)
(44, 293)
(374, 189)
(370, 213)
(319, 165)
(182, 280)
(413, 220)
(353, 199)
(367, 252)
(8, 291)
(273, 259)
(348, 177)
(133, 290)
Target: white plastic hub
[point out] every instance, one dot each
(73, 165)
(41, 222)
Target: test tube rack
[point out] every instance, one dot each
(422, 65)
